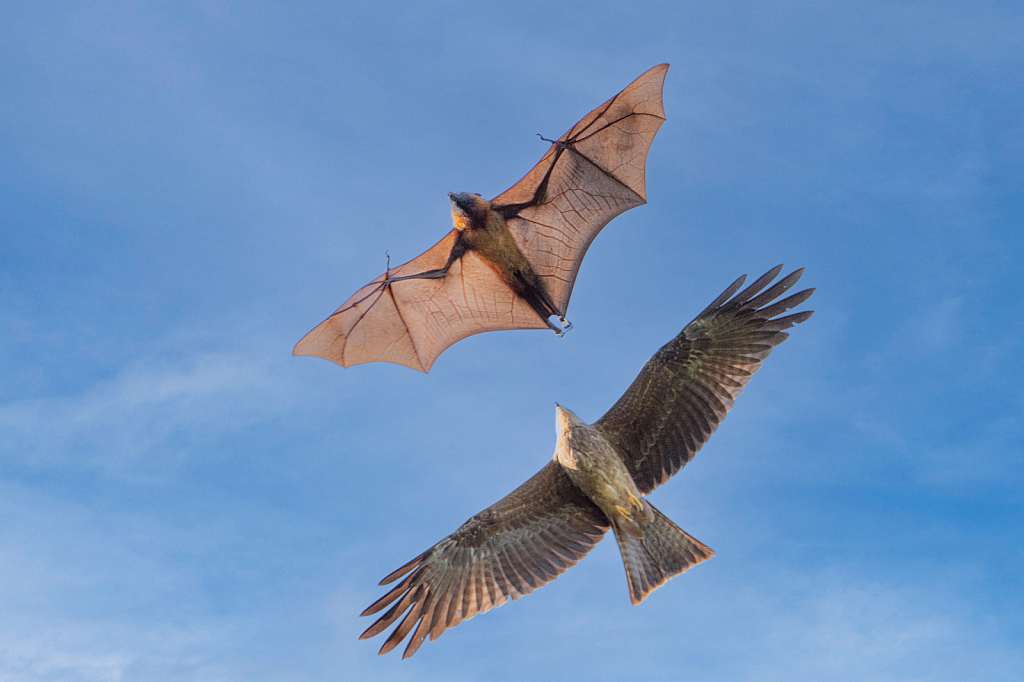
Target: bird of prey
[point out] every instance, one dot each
(599, 476)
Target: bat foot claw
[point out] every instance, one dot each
(559, 332)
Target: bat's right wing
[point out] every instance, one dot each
(685, 390)
(590, 175)
(413, 321)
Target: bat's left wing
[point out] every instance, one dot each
(590, 175)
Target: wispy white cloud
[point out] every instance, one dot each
(863, 630)
(165, 402)
(42, 659)
(110, 651)
(91, 597)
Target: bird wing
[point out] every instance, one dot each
(591, 174)
(685, 390)
(511, 548)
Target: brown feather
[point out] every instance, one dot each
(686, 389)
(505, 551)
(399, 633)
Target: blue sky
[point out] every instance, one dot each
(188, 188)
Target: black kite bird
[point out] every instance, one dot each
(598, 477)
(510, 263)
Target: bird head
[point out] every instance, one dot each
(565, 420)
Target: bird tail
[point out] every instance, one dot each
(664, 550)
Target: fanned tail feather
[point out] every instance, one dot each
(664, 551)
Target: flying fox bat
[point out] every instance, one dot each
(598, 477)
(510, 263)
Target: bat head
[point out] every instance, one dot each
(468, 209)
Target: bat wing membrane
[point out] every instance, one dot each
(413, 321)
(592, 174)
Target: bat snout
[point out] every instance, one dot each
(464, 200)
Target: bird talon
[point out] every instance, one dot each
(624, 512)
